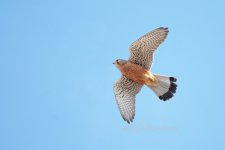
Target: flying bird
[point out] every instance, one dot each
(136, 73)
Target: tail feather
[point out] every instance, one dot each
(165, 87)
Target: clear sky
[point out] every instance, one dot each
(56, 75)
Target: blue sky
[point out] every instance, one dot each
(57, 75)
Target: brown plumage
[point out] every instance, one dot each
(136, 73)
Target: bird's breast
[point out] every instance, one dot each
(135, 72)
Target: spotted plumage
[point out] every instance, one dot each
(135, 73)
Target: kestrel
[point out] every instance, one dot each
(136, 73)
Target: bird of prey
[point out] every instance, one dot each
(136, 73)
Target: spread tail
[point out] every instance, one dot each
(165, 87)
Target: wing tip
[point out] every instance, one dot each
(165, 29)
(128, 120)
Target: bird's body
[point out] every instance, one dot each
(136, 73)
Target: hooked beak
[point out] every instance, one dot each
(113, 63)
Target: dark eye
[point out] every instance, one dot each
(117, 60)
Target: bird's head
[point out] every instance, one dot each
(119, 62)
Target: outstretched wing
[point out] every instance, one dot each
(141, 50)
(125, 91)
